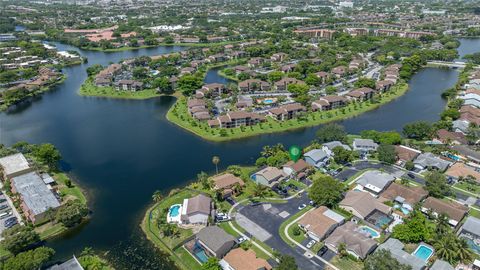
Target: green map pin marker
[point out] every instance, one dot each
(295, 152)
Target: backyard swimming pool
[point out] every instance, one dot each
(423, 252)
(174, 213)
(404, 210)
(369, 231)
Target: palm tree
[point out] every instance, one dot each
(464, 253)
(443, 227)
(87, 251)
(444, 249)
(216, 160)
(157, 196)
(259, 191)
(342, 250)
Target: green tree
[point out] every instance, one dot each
(312, 79)
(383, 260)
(18, 238)
(202, 177)
(331, 132)
(157, 196)
(409, 165)
(94, 69)
(452, 249)
(419, 130)
(189, 83)
(330, 90)
(259, 191)
(325, 190)
(386, 153)
(162, 84)
(342, 155)
(47, 154)
(275, 76)
(71, 213)
(450, 114)
(211, 264)
(215, 161)
(415, 229)
(286, 262)
(436, 184)
(32, 259)
(365, 82)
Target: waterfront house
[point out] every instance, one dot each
(327, 103)
(453, 210)
(396, 250)
(362, 204)
(214, 89)
(360, 94)
(320, 222)
(72, 264)
(405, 196)
(226, 183)
(383, 86)
(448, 137)
(239, 259)
(36, 197)
(329, 146)
(128, 85)
(236, 119)
(215, 241)
(286, 112)
(296, 170)
(14, 165)
(356, 243)
(317, 158)
(196, 210)
(430, 161)
(269, 176)
(460, 170)
(374, 181)
(364, 145)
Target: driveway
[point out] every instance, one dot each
(269, 217)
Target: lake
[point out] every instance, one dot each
(121, 151)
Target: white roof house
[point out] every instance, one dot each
(364, 145)
(375, 181)
(15, 165)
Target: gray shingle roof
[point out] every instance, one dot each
(375, 178)
(396, 249)
(430, 160)
(316, 154)
(472, 225)
(215, 238)
(35, 194)
(441, 265)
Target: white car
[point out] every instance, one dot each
(302, 206)
(311, 243)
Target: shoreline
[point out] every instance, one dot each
(284, 126)
(161, 44)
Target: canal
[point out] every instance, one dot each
(123, 150)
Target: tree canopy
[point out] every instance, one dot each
(325, 190)
(18, 238)
(331, 132)
(383, 260)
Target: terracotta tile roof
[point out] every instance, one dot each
(240, 259)
(318, 223)
(226, 180)
(459, 169)
(412, 195)
(405, 153)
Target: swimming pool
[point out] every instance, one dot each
(474, 246)
(268, 101)
(423, 252)
(404, 210)
(369, 231)
(175, 210)
(200, 254)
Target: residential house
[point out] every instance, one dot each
(14, 165)
(296, 170)
(226, 183)
(236, 119)
(239, 259)
(36, 197)
(405, 154)
(362, 204)
(324, 76)
(441, 265)
(72, 264)
(361, 94)
(240, 69)
(383, 85)
(214, 89)
(320, 222)
(286, 112)
(196, 210)
(448, 137)
(215, 241)
(453, 210)
(198, 109)
(460, 170)
(339, 71)
(252, 85)
(317, 158)
(327, 103)
(356, 242)
(244, 102)
(256, 62)
(288, 68)
(354, 32)
(269, 176)
(329, 146)
(396, 250)
(430, 161)
(470, 231)
(128, 85)
(278, 57)
(364, 145)
(405, 196)
(282, 85)
(374, 181)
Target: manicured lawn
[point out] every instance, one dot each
(49, 230)
(299, 238)
(281, 230)
(346, 263)
(474, 213)
(73, 192)
(228, 229)
(178, 114)
(89, 89)
(470, 187)
(187, 258)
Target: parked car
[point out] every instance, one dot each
(11, 224)
(5, 215)
(311, 202)
(322, 251)
(255, 203)
(241, 239)
(411, 175)
(3, 206)
(311, 243)
(230, 200)
(3, 200)
(300, 207)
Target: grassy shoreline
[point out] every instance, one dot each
(178, 114)
(161, 44)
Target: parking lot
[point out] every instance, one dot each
(7, 211)
(267, 219)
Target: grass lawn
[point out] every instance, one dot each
(299, 238)
(281, 230)
(470, 187)
(474, 213)
(228, 229)
(187, 258)
(178, 114)
(49, 229)
(346, 263)
(74, 191)
(89, 89)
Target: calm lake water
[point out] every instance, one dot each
(123, 150)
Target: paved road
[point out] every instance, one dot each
(270, 220)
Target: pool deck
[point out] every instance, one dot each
(422, 244)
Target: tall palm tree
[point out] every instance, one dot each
(464, 253)
(443, 227)
(259, 191)
(444, 250)
(215, 161)
(157, 196)
(87, 251)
